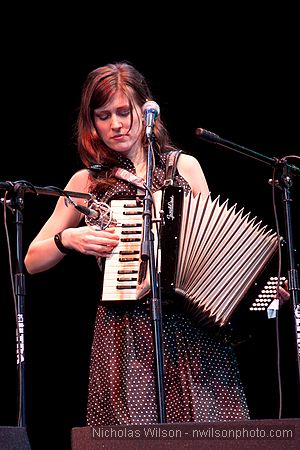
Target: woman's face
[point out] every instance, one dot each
(113, 124)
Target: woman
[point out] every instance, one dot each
(202, 381)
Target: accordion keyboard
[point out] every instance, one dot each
(122, 267)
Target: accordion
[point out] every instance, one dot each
(210, 253)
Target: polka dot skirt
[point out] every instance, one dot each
(201, 375)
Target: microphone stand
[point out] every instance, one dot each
(285, 182)
(148, 254)
(16, 204)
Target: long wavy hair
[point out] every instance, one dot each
(100, 85)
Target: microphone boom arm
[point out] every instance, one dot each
(213, 138)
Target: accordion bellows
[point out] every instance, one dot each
(221, 252)
(210, 253)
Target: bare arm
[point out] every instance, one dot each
(190, 169)
(43, 254)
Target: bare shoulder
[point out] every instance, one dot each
(189, 163)
(79, 181)
(187, 160)
(191, 170)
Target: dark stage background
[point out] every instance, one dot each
(241, 82)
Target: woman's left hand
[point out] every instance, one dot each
(283, 293)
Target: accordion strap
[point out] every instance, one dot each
(124, 174)
(171, 165)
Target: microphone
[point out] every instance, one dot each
(100, 214)
(88, 212)
(207, 135)
(151, 110)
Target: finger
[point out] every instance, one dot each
(111, 235)
(111, 230)
(283, 294)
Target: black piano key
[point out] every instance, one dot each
(130, 239)
(126, 287)
(128, 259)
(131, 225)
(126, 279)
(131, 232)
(127, 271)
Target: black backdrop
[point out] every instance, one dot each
(240, 81)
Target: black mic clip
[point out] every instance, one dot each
(99, 169)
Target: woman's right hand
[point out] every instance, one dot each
(89, 240)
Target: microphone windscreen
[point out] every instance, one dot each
(151, 106)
